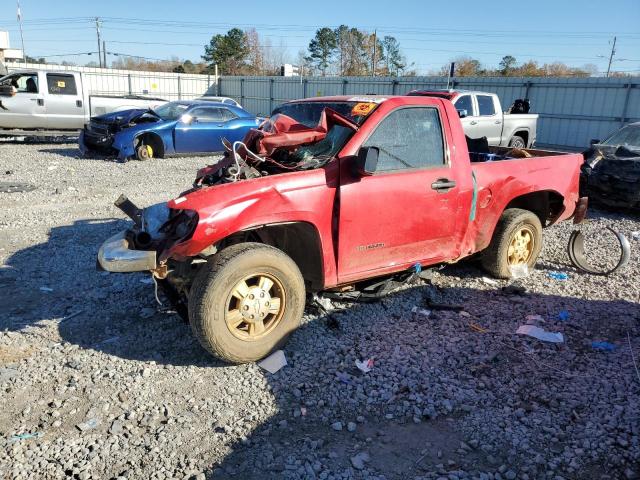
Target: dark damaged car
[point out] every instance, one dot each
(194, 126)
(611, 170)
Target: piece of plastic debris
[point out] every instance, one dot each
(606, 346)
(365, 366)
(635, 235)
(25, 436)
(46, 289)
(531, 319)
(421, 311)
(273, 362)
(303, 411)
(563, 315)
(578, 257)
(489, 281)
(558, 276)
(343, 377)
(540, 334)
(462, 313)
(521, 270)
(417, 268)
(88, 425)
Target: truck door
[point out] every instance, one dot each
(469, 122)
(489, 119)
(406, 211)
(203, 132)
(65, 109)
(26, 108)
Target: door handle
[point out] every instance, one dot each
(498, 122)
(472, 122)
(443, 185)
(79, 103)
(39, 100)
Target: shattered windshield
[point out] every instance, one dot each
(308, 113)
(628, 137)
(171, 110)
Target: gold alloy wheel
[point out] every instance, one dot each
(521, 246)
(255, 306)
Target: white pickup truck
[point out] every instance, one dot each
(55, 103)
(482, 116)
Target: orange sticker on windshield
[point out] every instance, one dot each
(361, 109)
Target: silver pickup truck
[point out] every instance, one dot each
(482, 116)
(54, 102)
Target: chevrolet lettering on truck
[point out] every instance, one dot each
(329, 193)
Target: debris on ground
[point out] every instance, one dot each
(24, 436)
(365, 366)
(16, 187)
(520, 270)
(578, 257)
(606, 346)
(561, 276)
(490, 281)
(421, 311)
(540, 334)
(273, 362)
(88, 425)
(563, 315)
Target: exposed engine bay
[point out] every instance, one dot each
(281, 144)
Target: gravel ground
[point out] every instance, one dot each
(97, 382)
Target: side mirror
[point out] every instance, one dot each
(188, 119)
(593, 141)
(366, 161)
(7, 90)
(462, 113)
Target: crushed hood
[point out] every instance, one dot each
(123, 117)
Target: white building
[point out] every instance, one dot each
(8, 54)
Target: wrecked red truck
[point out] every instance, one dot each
(331, 192)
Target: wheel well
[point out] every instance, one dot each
(154, 141)
(524, 135)
(545, 204)
(299, 240)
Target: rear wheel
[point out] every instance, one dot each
(517, 142)
(246, 301)
(517, 240)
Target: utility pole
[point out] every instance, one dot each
(104, 53)
(99, 42)
(24, 55)
(373, 58)
(613, 52)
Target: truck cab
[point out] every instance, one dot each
(41, 100)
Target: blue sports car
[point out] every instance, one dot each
(176, 127)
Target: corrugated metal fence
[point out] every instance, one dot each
(572, 110)
(107, 81)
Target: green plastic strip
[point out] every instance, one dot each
(474, 198)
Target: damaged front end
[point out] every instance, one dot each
(145, 246)
(611, 176)
(99, 134)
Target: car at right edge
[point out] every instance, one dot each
(610, 174)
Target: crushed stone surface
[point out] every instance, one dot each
(99, 382)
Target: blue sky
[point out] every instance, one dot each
(430, 33)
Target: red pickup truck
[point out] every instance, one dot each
(330, 192)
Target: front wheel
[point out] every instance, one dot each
(517, 240)
(517, 142)
(246, 301)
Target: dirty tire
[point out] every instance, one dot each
(211, 290)
(495, 258)
(517, 142)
